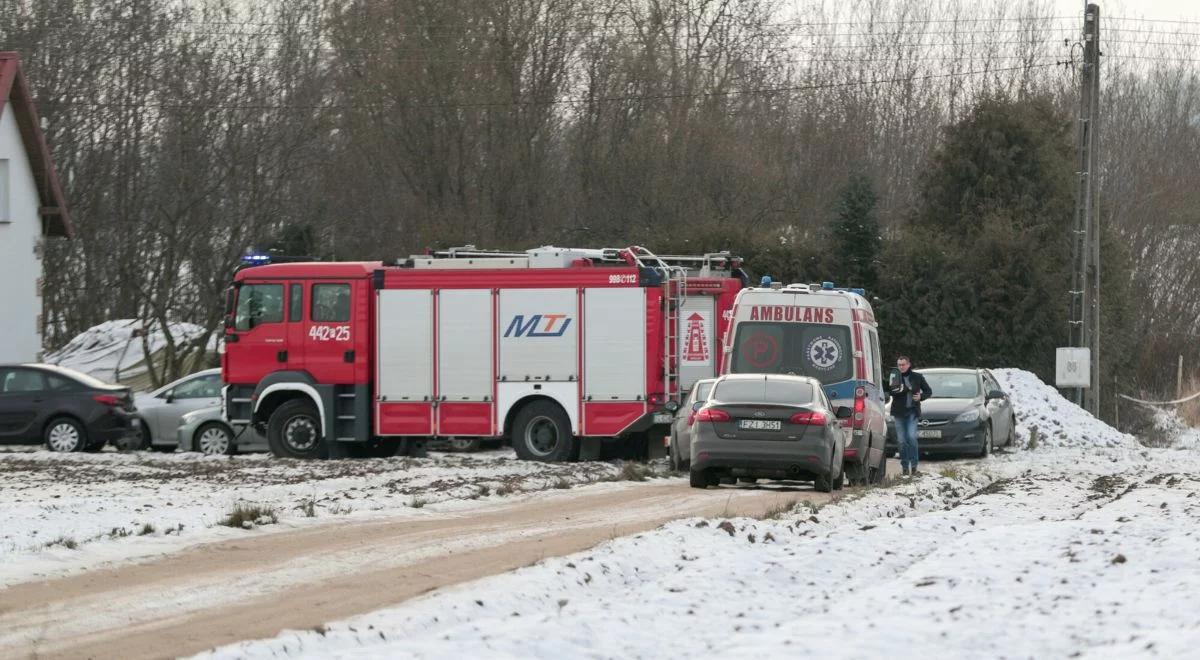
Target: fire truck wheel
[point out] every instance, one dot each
(295, 430)
(542, 432)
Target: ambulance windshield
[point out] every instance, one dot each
(818, 350)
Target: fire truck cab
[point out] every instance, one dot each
(829, 334)
(556, 349)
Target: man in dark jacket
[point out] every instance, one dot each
(908, 388)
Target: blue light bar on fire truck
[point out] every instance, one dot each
(256, 258)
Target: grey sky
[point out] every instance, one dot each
(1153, 9)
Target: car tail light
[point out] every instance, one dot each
(809, 418)
(712, 415)
(860, 406)
(110, 400)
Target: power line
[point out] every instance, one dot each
(1135, 19)
(578, 101)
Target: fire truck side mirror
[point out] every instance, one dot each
(229, 321)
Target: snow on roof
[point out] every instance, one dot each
(1060, 423)
(113, 351)
(15, 92)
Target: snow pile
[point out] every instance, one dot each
(1060, 423)
(114, 350)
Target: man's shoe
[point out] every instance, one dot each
(913, 472)
(903, 471)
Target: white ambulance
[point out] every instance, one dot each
(827, 333)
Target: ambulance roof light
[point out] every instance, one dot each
(859, 291)
(765, 282)
(827, 286)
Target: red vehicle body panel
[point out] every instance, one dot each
(347, 353)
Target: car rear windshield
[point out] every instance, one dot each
(763, 391)
(821, 351)
(953, 386)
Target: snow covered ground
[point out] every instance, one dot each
(67, 512)
(1086, 545)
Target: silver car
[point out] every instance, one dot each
(207, 432)
(680, 445)
(160, 411)
(771, 426)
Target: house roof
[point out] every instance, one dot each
(14, 94)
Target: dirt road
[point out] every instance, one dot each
(219, 593)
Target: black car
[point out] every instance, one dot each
(969, 413)
(67, 410)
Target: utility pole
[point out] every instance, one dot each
(1085, 272)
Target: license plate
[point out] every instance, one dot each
(929, 434)
(663, 418)
(760, 424)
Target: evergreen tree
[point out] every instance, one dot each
(981, 277)
(855, 234)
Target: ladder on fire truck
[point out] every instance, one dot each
(674, 295)
(674, 269)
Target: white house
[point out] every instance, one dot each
(31, 209)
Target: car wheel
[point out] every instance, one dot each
(214, 439)
(986, 450)
(295, 430)
(136, 440)
(699, 479)
(466, 444)
(542, 432)
(839, 481)
(65, 435)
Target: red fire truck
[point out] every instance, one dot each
(554, 349)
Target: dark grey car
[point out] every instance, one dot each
(969, 413)
(680, 445)
(768, 426)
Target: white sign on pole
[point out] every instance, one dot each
(1073, 367)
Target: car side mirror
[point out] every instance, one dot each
(995, 394)
(697, 405)
(843, 412)
(170, 396)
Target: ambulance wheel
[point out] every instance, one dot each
(542, 432)
(295, 430)
(879, 474)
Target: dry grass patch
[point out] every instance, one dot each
(246, 516)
